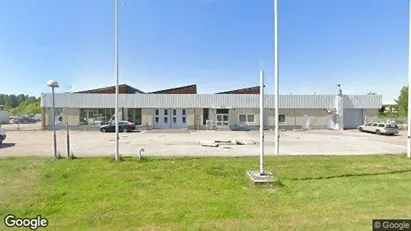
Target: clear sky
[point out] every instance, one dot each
(218, 44)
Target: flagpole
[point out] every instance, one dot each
(117, 154)
(409, 83)
(276, 82)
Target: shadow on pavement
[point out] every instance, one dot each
(7, 145)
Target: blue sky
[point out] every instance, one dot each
(218, 44)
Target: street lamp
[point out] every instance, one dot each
(53, 84)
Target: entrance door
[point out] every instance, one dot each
(161, 118)
(170, 118)
(222, 117)
(205, 115)
(178, 118)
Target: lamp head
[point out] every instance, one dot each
(52, 83)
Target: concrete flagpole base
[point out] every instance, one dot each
(265, 178)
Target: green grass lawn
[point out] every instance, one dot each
(314, 193)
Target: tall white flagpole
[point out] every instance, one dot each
(409, 83)
(276, 82)
(117, 153)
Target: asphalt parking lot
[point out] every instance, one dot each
(186, 143)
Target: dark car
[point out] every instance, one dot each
(124, 126)
(24, 120)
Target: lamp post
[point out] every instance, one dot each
(54, 84)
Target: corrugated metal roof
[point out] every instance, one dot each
(203, 101)
(362, 101)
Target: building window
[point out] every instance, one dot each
(174, 119)
(174, 112)
(250, 119)
(165, 112)
(156, 112)
(246, 118)
(156, 119)
(165, 119)
(184, 112)
(183, 119)
(281, 118)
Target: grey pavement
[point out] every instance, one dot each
(184, 143)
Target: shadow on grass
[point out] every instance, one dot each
(349, 175)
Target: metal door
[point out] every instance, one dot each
(353, 118)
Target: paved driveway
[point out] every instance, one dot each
(91, 143)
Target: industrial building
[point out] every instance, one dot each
(183, 108)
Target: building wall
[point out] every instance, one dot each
(71, 116)
(318, 118)
(234, 115)
(147, 117)
(190, 117)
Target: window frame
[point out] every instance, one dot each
(246, 118)
(282, 116)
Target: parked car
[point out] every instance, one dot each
(380, 128)
(24, 120)
(37, 117)
(124, 126)
(2, 135)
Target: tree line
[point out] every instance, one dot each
(20, 104)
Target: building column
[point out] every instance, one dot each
(339, 106)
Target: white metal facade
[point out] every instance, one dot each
(70, 100)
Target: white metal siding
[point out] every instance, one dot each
(70, 100)
(362, 101)
(185, 101)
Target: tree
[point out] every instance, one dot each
(20, 104)
(371, 93)
(402, 102)
(27, 107)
